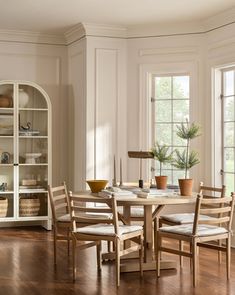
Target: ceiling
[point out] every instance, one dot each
(57, 16)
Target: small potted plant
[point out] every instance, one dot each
(186, 159)
(161, 153)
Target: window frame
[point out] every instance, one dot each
(172, 122)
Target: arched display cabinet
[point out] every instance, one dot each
(25, 152)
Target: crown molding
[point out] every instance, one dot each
(82, 30)
(31, 37)
(104, 30)
(75, 34)
(219, 20)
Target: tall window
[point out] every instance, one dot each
(228, 128)
(170, 98)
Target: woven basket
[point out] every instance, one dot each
(29, 206)
(3, 206)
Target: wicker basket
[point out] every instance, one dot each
(3, 206)
(29, 206)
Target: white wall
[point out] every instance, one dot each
(161, 55)
(77, 115)
(106, 106)
(45, 65)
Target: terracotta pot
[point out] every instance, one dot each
(186, 187)
(161, 182)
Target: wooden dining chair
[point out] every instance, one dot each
(104, 230)
(200, 232)
(60, 208)
(61, 216)
(186, 218)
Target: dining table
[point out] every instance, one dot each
(152, 206)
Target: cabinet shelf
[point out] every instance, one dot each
(7, 165)
(6, 193)
(6, 136)
(33, 109)
(34, 136)
(32, 191)
(35, 164)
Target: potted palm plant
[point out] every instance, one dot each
(161, 153)
(187, 158)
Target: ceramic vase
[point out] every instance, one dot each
(23, 98)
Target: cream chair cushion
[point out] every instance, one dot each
(107, 229)
(183, 218)
(187, 229)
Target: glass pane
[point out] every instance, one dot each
(178, 174)
(229, 160)
(163, 133)
(229, 108)
(163, 111)
(163, 87)
(229, 83)
(30, 97)
(181, 87)
(229, 182)
(228, 134)
(180, 110)
(6, 124)
(6, 96)
(177, 141)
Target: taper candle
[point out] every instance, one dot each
(120, 171)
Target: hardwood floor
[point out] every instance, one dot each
(26, 267)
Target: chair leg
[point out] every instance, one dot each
(55, 244)
(141, 255)
(181, 246)
(228, 256)
(157, 245)
(98, 255)
(68, 241)
(219, 252)
(117, 249)
(74, 259)
(194, 262)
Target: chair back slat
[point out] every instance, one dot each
(91, 209)
(215, 221)
(209, 191)
(211, 211)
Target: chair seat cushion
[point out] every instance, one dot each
(66, 217)
(183, 218)
(187, 229)
(107, 229)
(135, 211)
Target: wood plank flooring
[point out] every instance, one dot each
(26, 268)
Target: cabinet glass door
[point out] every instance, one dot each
(7, 139)
(33, 155)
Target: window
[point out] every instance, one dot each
(228, 128)
(170, 98)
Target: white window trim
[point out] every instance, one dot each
(145, 116)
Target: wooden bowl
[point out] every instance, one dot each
(97, 185)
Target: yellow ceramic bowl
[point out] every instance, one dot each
(97, 185)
